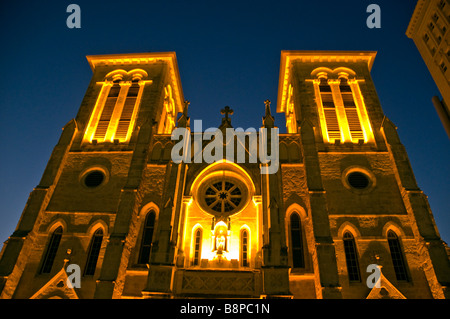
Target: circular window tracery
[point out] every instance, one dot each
(223, 196)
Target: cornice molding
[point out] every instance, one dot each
(144, 58)
(288, 57)
(416, 17)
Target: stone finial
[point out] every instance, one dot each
(268, 119)
(183, 121)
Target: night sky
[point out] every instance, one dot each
(228, 54)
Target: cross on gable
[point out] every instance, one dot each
(226, 110)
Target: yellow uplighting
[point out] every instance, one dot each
(346, 134)
(221, 235)
(125, 126)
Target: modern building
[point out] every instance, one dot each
(428, 28)
(115, 208)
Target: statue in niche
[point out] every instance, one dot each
(220, 242)
(220, 234)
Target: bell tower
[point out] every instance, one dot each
(364, 203)
(86, 204)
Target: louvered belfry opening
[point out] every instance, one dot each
(329, 110)
(351, 111)
(107, 111)
(127, 111)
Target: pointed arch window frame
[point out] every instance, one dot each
(297, 251)
(351, 257)
(397, 256)
(51, 251)
(93, 252)
(197, 246)
(244, 248)
(148, 232)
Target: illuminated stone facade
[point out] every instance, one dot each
(139, 225)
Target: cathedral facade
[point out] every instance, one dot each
(115, 205)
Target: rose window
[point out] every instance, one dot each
(223, 196)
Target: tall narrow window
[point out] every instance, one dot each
(244, 248)
(107, 112)
(351, 257)
(52, 248)
(127, 111)
(94, 251)
(197, 247)
(298, 259)
(351, 111)
(329, 110)
(397, 256)
(147, 238)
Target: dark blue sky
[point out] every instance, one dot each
(228, 54)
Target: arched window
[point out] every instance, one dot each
(94, 251)
(197, 247)
(298, 259)
(351, 257)
(397, 256)
(244, 248)
(52, 248)
(147, 238)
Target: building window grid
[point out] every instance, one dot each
(431, 26)
(443, 66)
(447, 55)
(430, 46)
(435, 17)
(351, 257)
(437, 39)
(397, 257)
(440, 18)
(443, 8)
